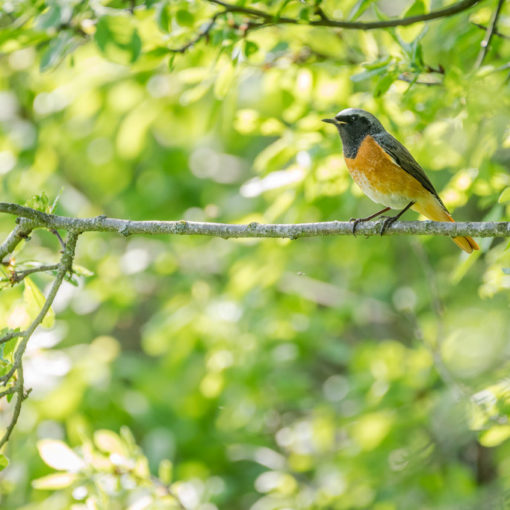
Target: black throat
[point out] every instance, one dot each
(351, 139)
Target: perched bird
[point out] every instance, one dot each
(387, 173)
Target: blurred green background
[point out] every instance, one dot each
(327, 373)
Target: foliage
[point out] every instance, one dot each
(327, 373)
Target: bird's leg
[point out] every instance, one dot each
(388, 221)
(359, 220)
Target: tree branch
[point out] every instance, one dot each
(324, 21)
(491, 29)
(253, 230)
(21, 231)
(496, 32)
(17, 276)
(201, 35)
(64, 266)
(10, 335)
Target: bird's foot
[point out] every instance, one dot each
(388, 221)
(356, 222)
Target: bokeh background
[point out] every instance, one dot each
(334, 373)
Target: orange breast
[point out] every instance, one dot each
(382, 179)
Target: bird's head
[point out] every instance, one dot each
(354, 121)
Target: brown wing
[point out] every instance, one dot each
(406, 161)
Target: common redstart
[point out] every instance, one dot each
(387, 173)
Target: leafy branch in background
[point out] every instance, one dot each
(108, 459)
(307, 14)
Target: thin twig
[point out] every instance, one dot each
(10, 336)
(201, 35)
(20, 396)
(17, 276)
(488, 35)
(256, 230)
(8, 391)
(324, 21)
(496, 33)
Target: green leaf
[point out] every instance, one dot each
(305, 14)
(274, 156)
(58, 455)
(495, 435)
(165, 471)
(108, 441)
(376, 64)
(117, 39)
(34, 301)
(163, 17)
(368, 74)
(224, 81)
(184, 18)
(55, 481)
(158, 52)
(250, 48)
(360, 7)
(4, 461)
(72, 280)
(385, 83)
(505, 196)
(50, 18)
(82, 270)
(417, 8)
(40, 202)
(51, 208)
(57, 50)
(127, 436)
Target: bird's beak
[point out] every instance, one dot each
(334, 121)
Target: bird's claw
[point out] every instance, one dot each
(356, 222)
(386, 224)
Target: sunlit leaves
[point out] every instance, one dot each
(58, 455)
(55, 482)
(51, 18)
(163, 16)
(359, 8)
(4, 462)
(112, 464)
(184, 18)
(118, 39)
(505, 196)
(57, 50)
(495, 435)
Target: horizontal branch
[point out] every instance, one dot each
(254, 230)
(325, 21)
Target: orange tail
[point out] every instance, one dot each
(434, 211)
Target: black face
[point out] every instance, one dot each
(354, 125)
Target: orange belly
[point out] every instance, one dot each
(381, 179)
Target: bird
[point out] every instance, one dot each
(387, 172)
